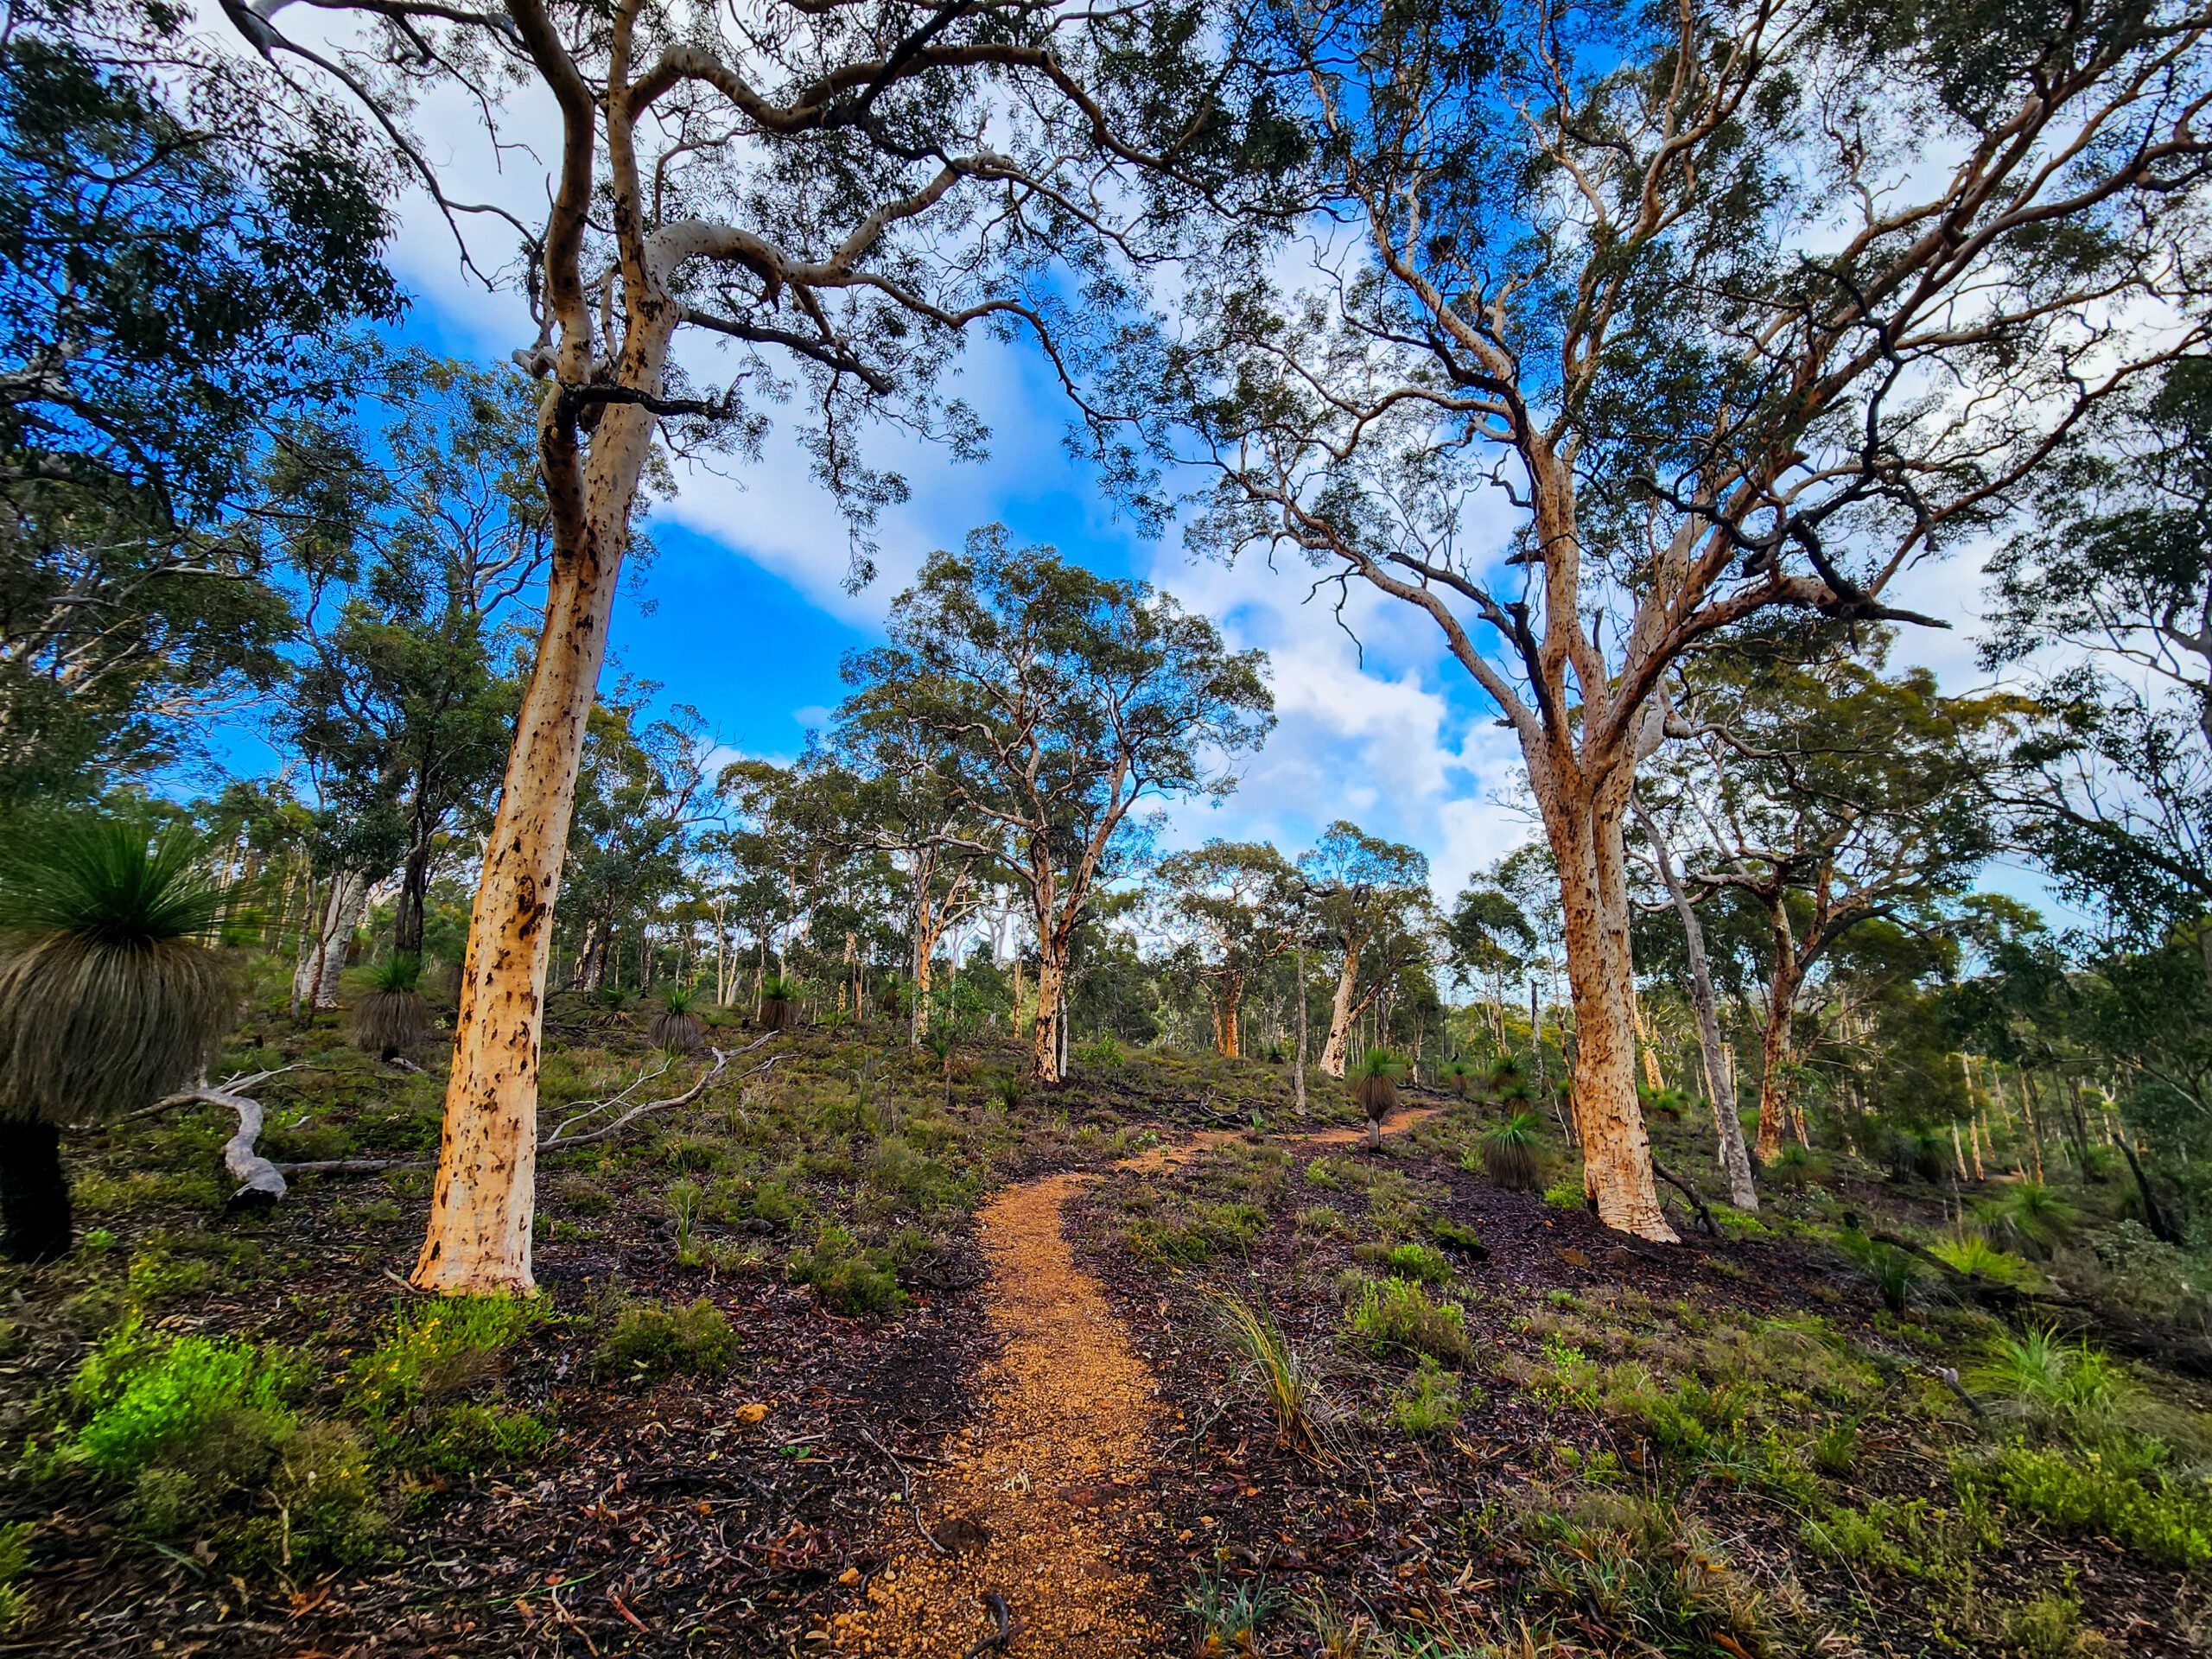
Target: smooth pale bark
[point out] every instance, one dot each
(1298, 1066)
(322, 947)
(1583, 827)
(1342, 1013)
(1720, 1081)
(481, 1208)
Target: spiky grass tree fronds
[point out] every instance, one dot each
(390, 1018)
(2028, 1218)
(676, 1028)
(1459, 1078)
(1509, 1156)
(110, 996)
(1375, 1086)
(1504, 1072)
(778, 995)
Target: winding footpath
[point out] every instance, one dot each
(1037, 1512)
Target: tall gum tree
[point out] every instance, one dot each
(1065, 701)
(1735, 305)
(1365, 895)
(837, 192)
(1828, 795)
(1236, 905)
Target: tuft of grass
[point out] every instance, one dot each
(647, 1341)
(1288, 1382)
(1971, 1253)
(435, 1350)
(2055, 1381)
(1893, 1273)
(1397, 1317)
(1430, 1403)
(1229, 1615)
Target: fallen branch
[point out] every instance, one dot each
(2135, 1338)
(559, 1141)
(216, 1094)
(1704, 1216)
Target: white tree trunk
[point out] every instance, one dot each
(481, 1206)
(1338, 1046)
(322, 947)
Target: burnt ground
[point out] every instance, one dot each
(741, 1511)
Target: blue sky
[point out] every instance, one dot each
(742, 615)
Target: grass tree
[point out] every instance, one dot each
(676, 1027)
(390, 1018)
(836, 193)
(110, 996)
(1374, 1084)
(1730, 307)
(1067, 699)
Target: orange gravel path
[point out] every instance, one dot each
(1041, 1497)
(1042, 1501)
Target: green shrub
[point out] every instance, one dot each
(1430, 1403)
(14, 1556)
(845, 1279)
(1106, 1050)
(1323, 1219)
(647, 1341)
(474, 1436)
(1456, 1235)
(1567, 1194)
(436, 1349)
(1397, 1316)
(2168, 1525)
(151, 1396)
(1417, 1263)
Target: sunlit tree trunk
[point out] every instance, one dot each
(1585, 831)
(1046, 1046)
(1231, 1007)
(1341, 1013)
(1774, 1043)
(480, 1207)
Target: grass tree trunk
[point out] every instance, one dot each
(34, 1192)
(481, 1208)
(1338, 1046)
(1585, 826)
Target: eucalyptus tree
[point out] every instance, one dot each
(1488, 935)
(1737, 305)
(2113, 787)
(1830, 796)
(897, 796)
(837, 193)
(417, 541)
(1066, 700)
(1368, 899)
(178, 239)
(1235, 910)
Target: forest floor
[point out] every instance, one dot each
(859, 1354)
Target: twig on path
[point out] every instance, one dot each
(999, 1638)
(907, 1485)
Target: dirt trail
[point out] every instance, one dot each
(1046, 1499)
(1038, 1502)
